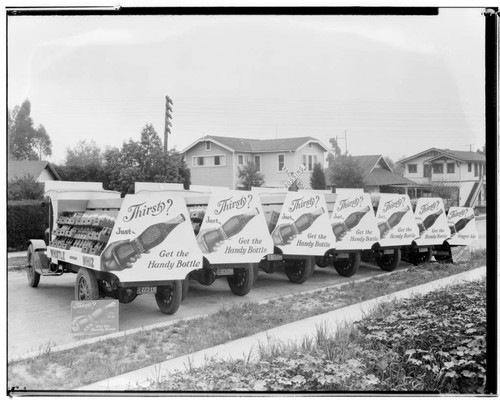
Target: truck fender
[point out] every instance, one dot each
(40, 260)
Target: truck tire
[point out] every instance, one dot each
(169, 297)
(389, 262)
(241, 281)
(33, 276)
(299, 271)
(348, 267)
(86, 287)
(322, 262)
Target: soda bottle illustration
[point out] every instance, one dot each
(460, 224)
(234, 225)
(429, 221)
(392, 221)
(150, 238)
(282, 234)
(350, 222)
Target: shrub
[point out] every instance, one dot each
(25, 220)
(25, 188)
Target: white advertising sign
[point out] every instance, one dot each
(152, 240)
(234, 229)
(353, 222)
(303, 227)
(396, 221)
(431, 221)
(462, 224)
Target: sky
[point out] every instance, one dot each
(390, 85)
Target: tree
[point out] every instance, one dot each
(318, 180)
(25, 188)
(334, 152)
(84, 154)
(26, 142)
(144, 161)
(346, 173)
(249, 176)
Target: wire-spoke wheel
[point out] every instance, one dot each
(299, 271)
(241, 281)
(389, 262)
(169, 297)
(348, 266)
(86, 287)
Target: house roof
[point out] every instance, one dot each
(376, 172)
(258, 145)
(19, 169)
(456, 154)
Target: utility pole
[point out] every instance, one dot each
(168, 124)
(344, 138)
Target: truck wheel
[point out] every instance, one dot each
(348, 266)
(322, 262)
(169, 297)
(86, 287)
(241, 281)
(33, 276)
(300, 270)
(419, 258)
(185, 288)
(389, 262)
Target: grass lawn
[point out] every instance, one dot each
(70, 369)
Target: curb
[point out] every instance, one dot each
(247, 348)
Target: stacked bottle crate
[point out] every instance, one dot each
(83, 232)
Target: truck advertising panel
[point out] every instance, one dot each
(353, 222)
(234, 229)
(462, 224)
(431, 221)
(395, 220)
(152, 239)
(303, 226)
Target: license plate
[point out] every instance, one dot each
(389, 251)
(224, 271)
(274, 257)
(146, 290)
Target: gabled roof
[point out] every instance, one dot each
(258, 145)
(19, 169)
(455, 154)
(369, 162)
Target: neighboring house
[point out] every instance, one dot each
(214, 160)
(463, 170)
(378, 176)
(40, 171)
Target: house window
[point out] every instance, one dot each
(412, 168)
(476, 173)
(240, 159)
(256, 160)
(208, 146)
(427, 171)
(470, 166)
(437, 168)
(309, 160)
(281, 162)
(210, 161)
(450, 168)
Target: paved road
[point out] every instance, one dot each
(39, 317)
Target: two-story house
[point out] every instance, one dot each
(214, 160)
(463, 170)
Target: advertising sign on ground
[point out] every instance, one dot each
(396, 221)
(353, 222)
(462, 224)
(152, 239)
(94, 317)
(303, 227)
(431, 221)
(234, 229)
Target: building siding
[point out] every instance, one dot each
(210, 175)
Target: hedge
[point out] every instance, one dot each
(26, 219)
